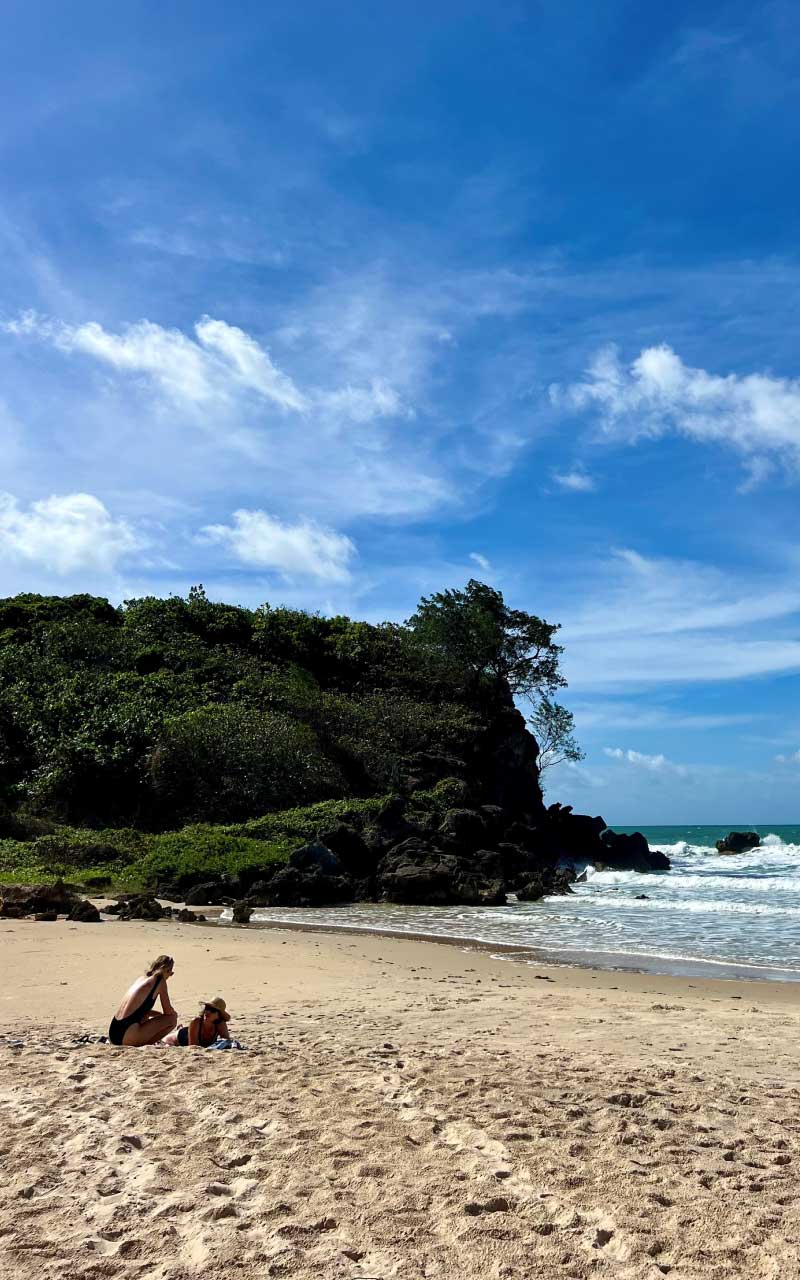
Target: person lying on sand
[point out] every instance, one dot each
(210, 1024)
(135, 1023)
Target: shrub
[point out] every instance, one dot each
(448, 793)
(224, 762)
(372, 734)
(196, 852)
(294, 826)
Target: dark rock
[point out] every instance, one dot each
(11, 911)
(739, 842)
(185, 916)
(43, 916)
(525, 836)
(495, 820)
(416, 873)
(292, 887)
(575, 834)
(630, 853)
(642, 897)
(392, 814)
(350, 848)
(546, 884)
(258, 893)
(210, 893)
(169, 893)
(462, 830)
(141, 906)
(242, 912)
(27, 899)
(85, 912)
(316, 857)
(489, 863)
(521, 865)
(505, 764)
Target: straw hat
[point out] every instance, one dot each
(218, 1004)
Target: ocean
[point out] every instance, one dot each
(711, 915)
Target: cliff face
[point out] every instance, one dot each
(505, 769)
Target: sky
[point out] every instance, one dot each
(334, 306)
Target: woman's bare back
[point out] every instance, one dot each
(136, 994)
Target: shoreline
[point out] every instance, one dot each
(627, 962)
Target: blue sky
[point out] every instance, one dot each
(334, 307)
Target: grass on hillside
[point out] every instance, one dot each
(129, 860)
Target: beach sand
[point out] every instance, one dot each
(405, 1109)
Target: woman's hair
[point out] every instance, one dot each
(159, 965)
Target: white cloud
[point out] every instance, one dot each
(574, 481)
(480, 561)
(653, 764)
(324, 442)
(260, 541)
(756, 414)
(67, 534)
(219, 361)
(794, 758)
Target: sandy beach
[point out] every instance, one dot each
(404, 1110)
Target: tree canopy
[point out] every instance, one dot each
(475, 630)
(165, 709)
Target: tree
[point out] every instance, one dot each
(475, 630)
(553, 727)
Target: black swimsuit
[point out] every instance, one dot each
(119, 1026)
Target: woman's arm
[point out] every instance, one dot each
(163, 995)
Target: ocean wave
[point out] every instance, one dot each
(693, 906)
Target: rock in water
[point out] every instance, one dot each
(739, 842)
(631, 853)
(242, 912)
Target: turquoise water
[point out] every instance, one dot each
(712, 914)
(706, 837)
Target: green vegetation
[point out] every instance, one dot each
(168, 738)
(554, 729)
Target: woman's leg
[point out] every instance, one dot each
(150, 1030)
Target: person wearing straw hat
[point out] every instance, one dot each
(210, 1024)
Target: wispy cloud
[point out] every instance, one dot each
(619, 714)
(656, 393)
(480, 561)
(640, 760)
(574, 481)
(643, 621)
(323, 442)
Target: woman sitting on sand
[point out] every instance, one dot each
(210, 1024)
(135, 1023)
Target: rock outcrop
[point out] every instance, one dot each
(416, 873)
(739, 842)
